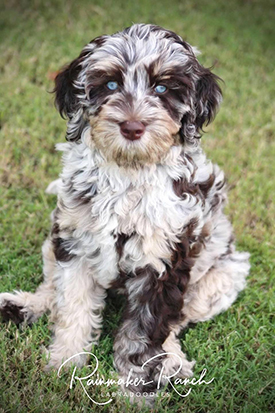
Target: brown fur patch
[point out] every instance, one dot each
(60, 245)
(200, 190)
(163, 295)
(61, 249)
(12, 312)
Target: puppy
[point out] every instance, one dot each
(139, 207)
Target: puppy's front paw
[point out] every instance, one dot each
(12, 308)
(66, 358)
(175, 365)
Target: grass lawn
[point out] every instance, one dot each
(37, 38)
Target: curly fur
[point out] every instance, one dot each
(143, 216)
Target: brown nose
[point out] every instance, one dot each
(132, 130)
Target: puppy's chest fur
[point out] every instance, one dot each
(137, 215)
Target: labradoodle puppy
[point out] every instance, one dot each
(140, 208)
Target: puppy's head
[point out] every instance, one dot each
(139, 91)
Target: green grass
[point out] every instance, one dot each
(38, 37)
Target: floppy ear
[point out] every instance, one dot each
(67, 98)
(208, 97)
(65, 90)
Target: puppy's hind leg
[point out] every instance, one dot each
(24, 306)
(212, 294)
(217, 289)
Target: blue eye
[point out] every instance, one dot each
(160, 89)
(112, 85)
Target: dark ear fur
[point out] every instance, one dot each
(208, 97)
(65, 91)
(66, 99)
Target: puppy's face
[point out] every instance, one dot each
(141, 91)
